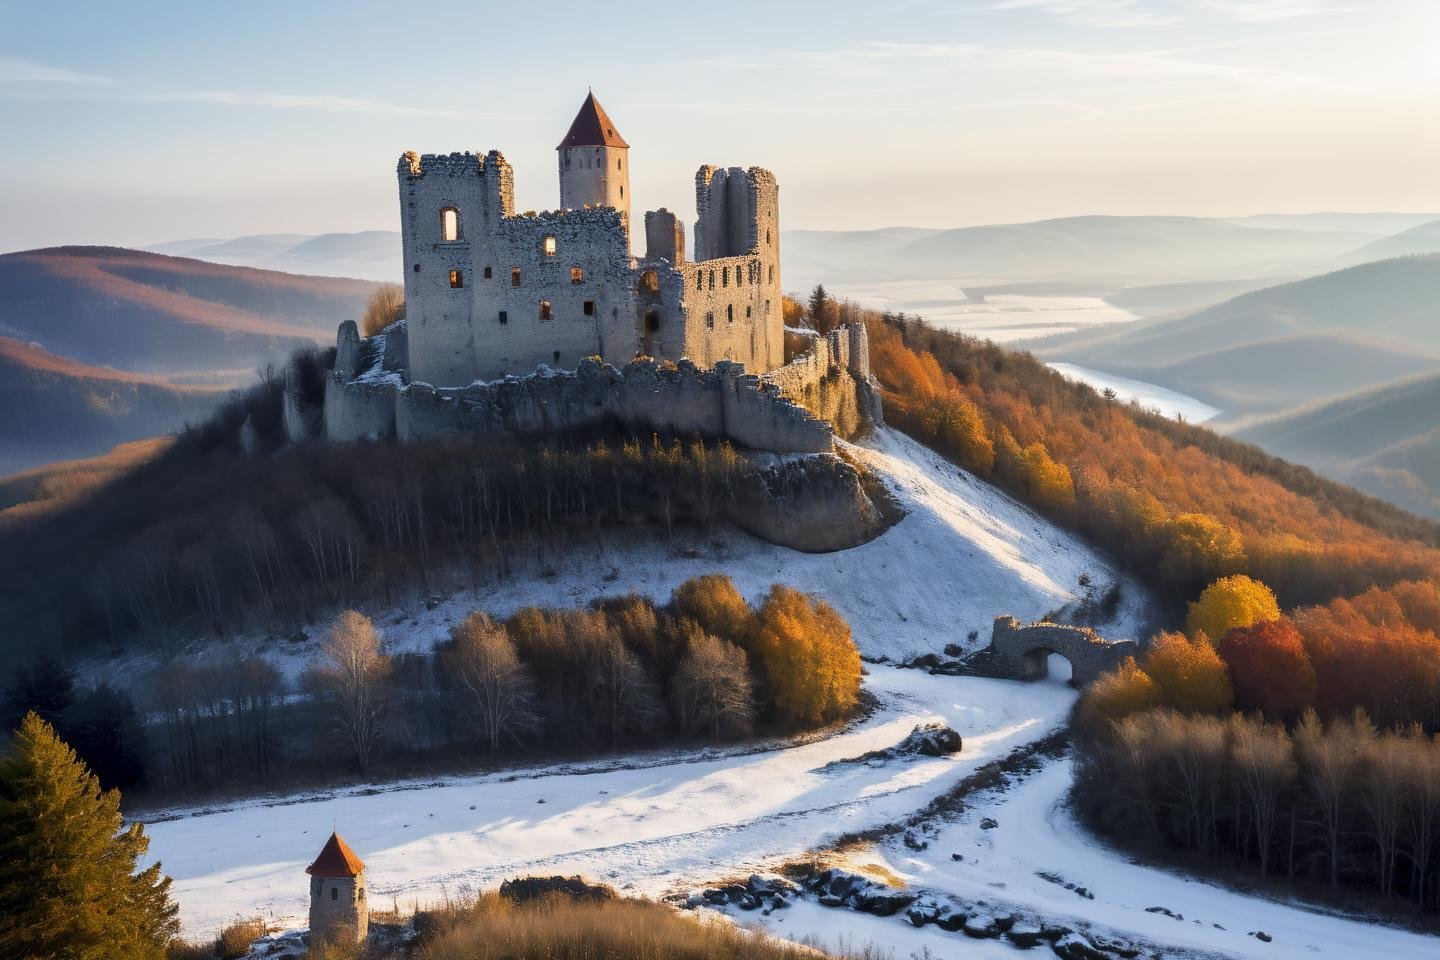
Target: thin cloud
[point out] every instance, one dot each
(289, 101)
(23, 71)
(1148, 13)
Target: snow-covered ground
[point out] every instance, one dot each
(1035, 834)
(1169, 403)
(668, 824)
(663, 822)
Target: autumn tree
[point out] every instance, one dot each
(493, 688)
(1199, 549)
(715, 604)
(352, 676)
(69, 887)
(1191, 676)
(811, 665)
(823, 312)
(1048, 481)
(1269, 669)
(1125, 690)
(1235, 601)
(385, 306)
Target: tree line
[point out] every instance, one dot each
(1299, 746)
(207, 541)
(622, 672)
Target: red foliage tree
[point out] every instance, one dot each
(1270, 669)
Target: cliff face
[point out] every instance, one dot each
(814, 504)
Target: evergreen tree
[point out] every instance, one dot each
(68, 882)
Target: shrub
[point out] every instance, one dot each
(234, 941)
(713, 602)
(385, 306)
(1125, 690)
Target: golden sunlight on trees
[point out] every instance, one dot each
(492, 687)
(1191, 676)
(1231, 602)
(1124, 691)
(811, 664)
(385, 306)
(712, 601)
(68, 881)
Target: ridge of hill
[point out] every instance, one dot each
(171, 316)
(57, 408)
(1418, 240)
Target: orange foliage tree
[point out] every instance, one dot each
(810, 661)
(1191, 675)
(1125, 690)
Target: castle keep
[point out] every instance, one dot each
(489, 292)
(529, 324)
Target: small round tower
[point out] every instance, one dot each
(338, 909)
(595, 163)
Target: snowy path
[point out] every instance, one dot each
(1036, 832)
(650, 830)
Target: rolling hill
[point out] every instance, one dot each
(1385, 440)
(182, 319)
(1422, 239)
(60, 409)
(368, 255)
(1288, 344)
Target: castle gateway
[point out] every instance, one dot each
(489, 292)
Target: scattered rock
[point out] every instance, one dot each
(957, 857)
(1261, 935)
(954, 650)
(988, 823)
(982, 926)
(1165, 910)
(523, 889)
(1025, 934)
(1072, 946)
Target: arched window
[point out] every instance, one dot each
(457, 278)
(577, 275)
(712, 279)
(649, 282)
(449, 225)
(547, 246)
(546, 311)
(335, 892)
(729, 313)
(618, 165)
(724, 276)
(652, 321)
(515, 277)
(487, 273)
(699, 280)
(772, 273)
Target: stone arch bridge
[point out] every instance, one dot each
(1020, 651)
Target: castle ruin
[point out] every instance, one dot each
(532, 324)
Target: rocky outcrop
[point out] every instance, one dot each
(815, 504)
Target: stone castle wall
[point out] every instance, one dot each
(1019, 651)
(365, 398)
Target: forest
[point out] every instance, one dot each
(621, 673)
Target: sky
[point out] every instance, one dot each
(141, 122)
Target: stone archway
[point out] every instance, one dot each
(1022, 651)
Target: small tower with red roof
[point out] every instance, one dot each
(338, 911)
(594, 163)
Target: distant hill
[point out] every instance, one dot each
(1383, 306)
(58, 409)
(1379, 224)
(43, 489)
(1385, 440)
(180, 318)
(368, 255)
(1417, 240)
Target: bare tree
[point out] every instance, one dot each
(715, 688)
(493, 687)
(385, 306)
(353, 675)
(1262, 770)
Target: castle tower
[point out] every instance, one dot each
(595, 163)
(338, 911)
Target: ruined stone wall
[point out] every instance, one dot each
(832, 381)
(1019, 650)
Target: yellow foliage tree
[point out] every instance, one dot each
(811, 665)
(1191, 675)
(1231, 602)
(715, 604)
(1051, 487)
(1125, 690)
(1199, 549)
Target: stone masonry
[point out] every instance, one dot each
(1020, 651)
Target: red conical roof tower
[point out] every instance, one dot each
(336, 860)
(592, 128)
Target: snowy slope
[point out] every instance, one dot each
(667, 824)
(1037, 833)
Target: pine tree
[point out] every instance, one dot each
(68, 882)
